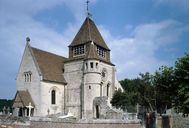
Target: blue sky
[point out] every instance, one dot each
(142, 34)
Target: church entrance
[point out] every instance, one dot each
(27, 112)
(20, 112)
(97, 112)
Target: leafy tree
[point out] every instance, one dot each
(146, 92)
(164, 82)
(131, 94)
(136, 91)
(130, 85)
(168, 87)
(119, 99)
(5, 103)
(182, 79)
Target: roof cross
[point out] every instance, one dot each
(88, 13)
(29, 107)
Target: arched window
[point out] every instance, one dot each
(107, 93)
(53, 97)
(91, 64)
(97, 112)
(86, 66)
(96, 65)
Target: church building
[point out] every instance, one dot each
(82, 83)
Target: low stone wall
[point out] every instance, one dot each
(180, 122)
(71, 125)
(39, 124)
(13, 126)
(16, 122)
(7, 121)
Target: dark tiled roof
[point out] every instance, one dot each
(89, 32)
(22, 99)
(50, 65)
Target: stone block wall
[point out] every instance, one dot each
(13, 126)
(180, 122)
(13, 122)
(28, 65)
(82, 125)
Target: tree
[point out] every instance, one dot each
(146, 92)
(164, 82)
(168, 87)
(182, 80)
(136, 91)
(5, 103)
(119, 100)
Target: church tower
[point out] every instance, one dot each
(89, 73)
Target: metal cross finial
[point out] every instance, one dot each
(88, 14)
(87, 6)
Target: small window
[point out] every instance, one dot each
(30, 77)
(27, 76)
(89, 87)
(101, 52)
(91, 64)
(86, 65)
(79, 50)
(96, 65)
(107, 93)
(53, 97)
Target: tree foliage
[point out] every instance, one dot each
(182, 79)
(167, 87)
(164, 82)
(136, 91)
(5, 103)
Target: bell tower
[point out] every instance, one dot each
(92, 72)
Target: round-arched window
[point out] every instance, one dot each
(53, 97)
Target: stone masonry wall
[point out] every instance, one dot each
(18, 122)
(180, 122)
(82, 125)
(69, 125)
(27, 64)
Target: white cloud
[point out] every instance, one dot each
(17, 22)
(136, 54)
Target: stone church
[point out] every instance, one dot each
(82, 84)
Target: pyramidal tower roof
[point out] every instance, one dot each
(89, 32)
